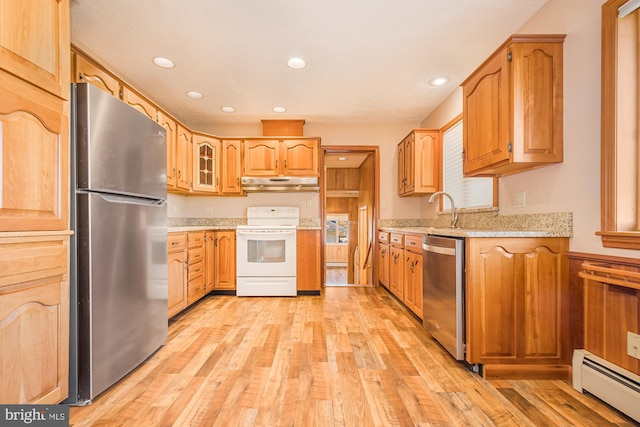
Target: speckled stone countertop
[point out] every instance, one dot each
(488, 224)
(184, 225)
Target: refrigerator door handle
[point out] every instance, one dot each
(114, 198)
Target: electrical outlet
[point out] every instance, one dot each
(633, 345)
(519, 199)
(208, 210)
(308, 203)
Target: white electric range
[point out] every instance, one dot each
(266, 252)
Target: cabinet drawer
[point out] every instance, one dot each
(413, 243)
(177, 241)
(383, 237)
(397, 239)
(195, 270)
(195, 239)
(26, 259)
(195, 256)
(195, 289)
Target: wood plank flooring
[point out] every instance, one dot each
(351, 357)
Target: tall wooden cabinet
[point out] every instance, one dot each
(420, 162)
(517, 306)
(34, 201)
(512, 108)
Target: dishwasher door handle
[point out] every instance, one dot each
(439, 250)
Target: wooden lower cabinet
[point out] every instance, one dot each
(177, 265)
(308, 260)
(517, 301)
(384, 255)
(400, 267)
(34, 318)
(396, 272)
(412, 295)
(196, 266)
(209, 260)
(224, 260)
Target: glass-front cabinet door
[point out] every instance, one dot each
(206, 177)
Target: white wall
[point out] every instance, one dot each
(574, 185)
(386, 136)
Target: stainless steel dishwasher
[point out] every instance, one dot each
(443, 292)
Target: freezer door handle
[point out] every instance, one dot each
(114, 198)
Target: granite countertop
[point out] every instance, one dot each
(467, 232)
(487, 223)
(188, 228)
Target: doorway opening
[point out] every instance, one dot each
(349, 206)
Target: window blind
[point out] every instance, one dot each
(466, 192)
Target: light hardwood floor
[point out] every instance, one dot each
(351, 357)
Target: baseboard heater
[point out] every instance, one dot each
(615, 385)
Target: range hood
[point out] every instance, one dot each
(282, 184)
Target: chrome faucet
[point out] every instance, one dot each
(454, 210)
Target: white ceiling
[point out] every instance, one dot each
(368, 61)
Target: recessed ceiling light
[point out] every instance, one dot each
(296, 63)
(438, 81)
(342, 158)
(163, 62)
(279, 109)
(195, 95)
(228, 109)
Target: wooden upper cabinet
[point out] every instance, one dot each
(206, 173)
(261, 157)
(300, 157)
(34, 132)
(35, 43)
(86, 71)
(420, 162)
(512, 108)
(171, 126)
(183, 158)
(231, 167)
(290, 157)
(140, 103)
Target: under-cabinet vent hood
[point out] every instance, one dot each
(282, 184)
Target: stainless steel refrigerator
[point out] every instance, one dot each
(119, 247)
